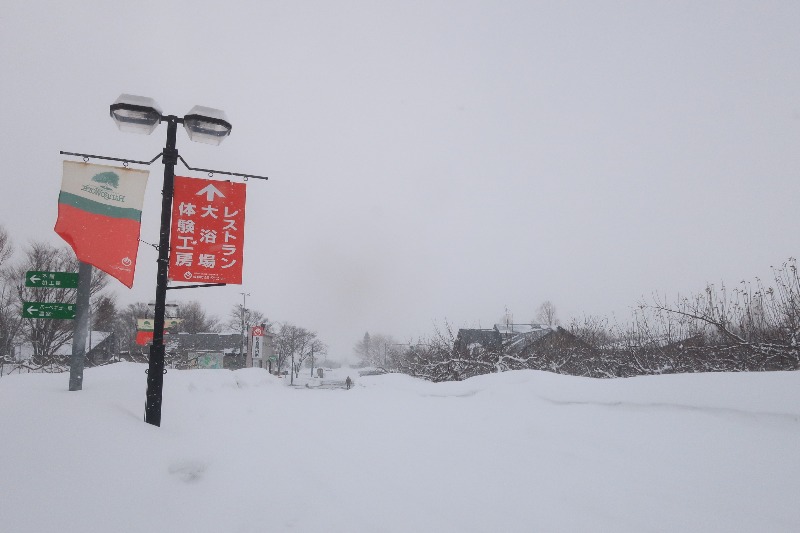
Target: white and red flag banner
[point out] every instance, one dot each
(207, 237)
(99, 215)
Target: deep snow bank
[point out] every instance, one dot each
(519, 451)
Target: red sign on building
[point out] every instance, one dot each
(144, 338)
(207, 237)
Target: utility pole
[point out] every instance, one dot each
(243, 346)
(78, 358)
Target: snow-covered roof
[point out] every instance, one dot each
(471, 338)
(516, 329)
(519, 340)
(92, 340)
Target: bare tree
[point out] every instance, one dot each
(436, 358)
(6, 247)
(293, 345)
(250, 317)
(593, 329)
(9, 313)
(48, 336)
(373, 350)
(547, 314)
(125, 330)
(104, 312)
(10, 320)
(194, 319)
(753, 326)
(312, 349)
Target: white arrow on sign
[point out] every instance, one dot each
(35, 278)
(32, 309)
(209, 190)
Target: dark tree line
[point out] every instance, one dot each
(47, 339)
(754, 326)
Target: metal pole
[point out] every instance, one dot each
(155, 370)
(243, 344)
(81, 327)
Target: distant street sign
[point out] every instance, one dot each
(48, 310)
(57, 280)
(257, 344)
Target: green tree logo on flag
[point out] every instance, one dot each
(107, 178)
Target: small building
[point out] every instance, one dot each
(469, 341)
(557, 350)
(522, 346)
(261, 354)
(181, 345)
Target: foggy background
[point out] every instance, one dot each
(436, 160)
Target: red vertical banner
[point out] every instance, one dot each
(207, 234)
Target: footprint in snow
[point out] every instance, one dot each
(188, 471)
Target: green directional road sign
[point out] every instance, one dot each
(48, 310)
(56, 280)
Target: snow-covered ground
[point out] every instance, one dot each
(521, 451)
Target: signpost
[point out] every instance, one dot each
(79, 311)
(51, 280)
(58, 280)
(257, 343)
(81, 329)
(140, 114)
(48, 310)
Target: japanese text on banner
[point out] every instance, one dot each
(207, 237)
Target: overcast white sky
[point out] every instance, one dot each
(434, 160)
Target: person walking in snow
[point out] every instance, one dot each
(348, 382)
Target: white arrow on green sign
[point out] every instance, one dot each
(48, 310)
(55, 280)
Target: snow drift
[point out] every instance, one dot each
(520, 451)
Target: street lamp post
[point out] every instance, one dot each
(138, 114)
